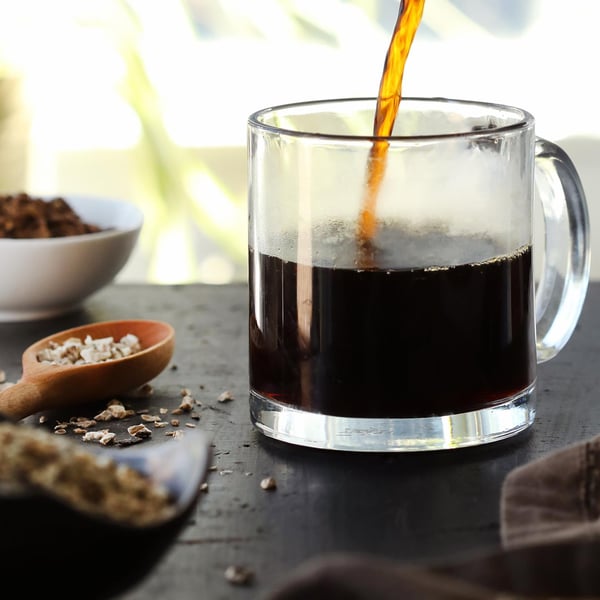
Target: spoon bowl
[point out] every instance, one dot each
(47, 386)
(99, 554)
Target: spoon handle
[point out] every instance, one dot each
(20, 400)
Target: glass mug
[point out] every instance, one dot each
(433, 343)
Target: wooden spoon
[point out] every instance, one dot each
(46, 386)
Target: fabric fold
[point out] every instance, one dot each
(550, 533)
(554, 498)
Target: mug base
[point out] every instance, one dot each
(316, 430)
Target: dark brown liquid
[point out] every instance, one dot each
(393, 342)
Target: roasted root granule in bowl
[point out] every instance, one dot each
(25, 217)
(57, 253)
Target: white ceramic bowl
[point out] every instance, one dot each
(41, 278)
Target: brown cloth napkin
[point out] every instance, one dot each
(553, 499)
(550, 531)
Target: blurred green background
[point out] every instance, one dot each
(147, 100)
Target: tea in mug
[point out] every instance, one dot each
(394, 341)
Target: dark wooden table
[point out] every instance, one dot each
(412, 507)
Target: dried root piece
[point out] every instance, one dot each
(268, 483)
(115, 410)
(74, 351)
(82, 422)
(139, 431)
(239, 575)
(185, 406)
(104, 437)
(225, 396)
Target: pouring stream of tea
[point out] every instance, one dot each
(388, 101)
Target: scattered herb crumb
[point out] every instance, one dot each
(225, 396)
(139, 430)
(239, 575)
(268, 483)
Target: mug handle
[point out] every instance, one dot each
(564, 277)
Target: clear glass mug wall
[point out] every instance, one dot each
(435, 342)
